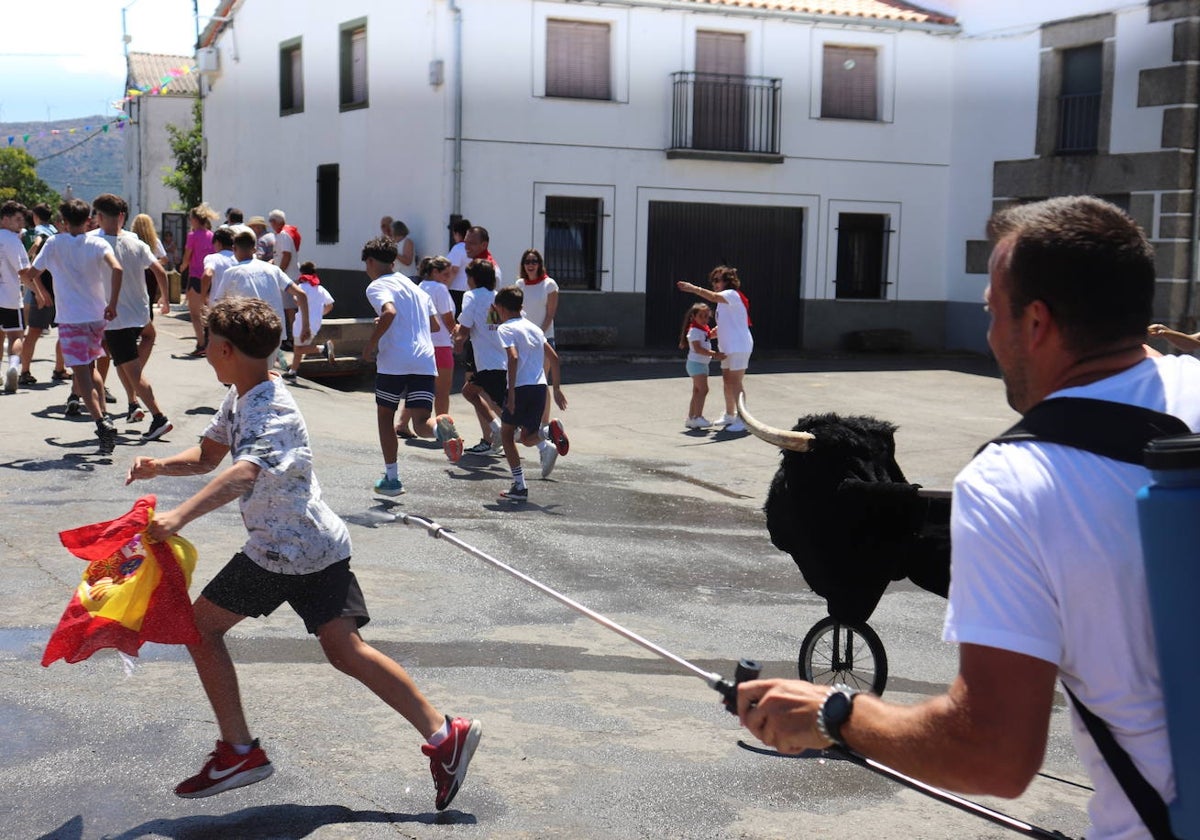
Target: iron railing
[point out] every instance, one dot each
(725, 113)
(1078, 123)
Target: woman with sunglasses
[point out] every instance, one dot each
(541, 300)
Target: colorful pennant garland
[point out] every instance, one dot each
(160, 88)
(119, 122)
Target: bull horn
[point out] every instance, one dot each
(795, 441)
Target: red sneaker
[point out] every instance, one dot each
(448, 761)
(225, 770)
(448, 437)
(558, 436)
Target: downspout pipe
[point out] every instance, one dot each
(456, 202)
(1188, 320)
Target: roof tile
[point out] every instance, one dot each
(151, 68)
(870, 9)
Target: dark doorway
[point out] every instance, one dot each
(686, 241)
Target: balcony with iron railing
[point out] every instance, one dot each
(1078, 124)
(720, 116)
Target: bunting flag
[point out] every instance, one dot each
(133, 590)
(119, 122)
(156, 89)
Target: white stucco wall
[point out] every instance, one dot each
(396, 155)
(148, 154)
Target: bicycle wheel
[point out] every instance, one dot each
(833, 652)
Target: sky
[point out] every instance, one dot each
(64, 59)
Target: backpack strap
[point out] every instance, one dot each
(1147, 801)
(1119, 431)
(1114, 430)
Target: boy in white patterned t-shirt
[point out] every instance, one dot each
(298, 551)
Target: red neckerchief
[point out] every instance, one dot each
(541, 276)
(311, 279)
(745, 303)
(705, 327)
(487, 255)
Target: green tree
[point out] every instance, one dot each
(187, 145)
(19, 179)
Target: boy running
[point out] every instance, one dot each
(85, 270)
(298, 551)
(527, 350)
(406, 367)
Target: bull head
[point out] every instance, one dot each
(795, 441)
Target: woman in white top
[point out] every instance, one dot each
(733, 317)
(436, 273)
(541, 302)
(406, 252)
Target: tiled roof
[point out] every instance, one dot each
(149, 70)
(891, 10)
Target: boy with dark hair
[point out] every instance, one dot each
(298, 551)
(477, 325)
(527, 350)
(39, 313)
(13, 260)
(124, 332)
(81, 265)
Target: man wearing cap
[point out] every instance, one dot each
(264, 249)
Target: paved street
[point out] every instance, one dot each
(585, 734)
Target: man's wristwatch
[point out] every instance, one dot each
(835, 711)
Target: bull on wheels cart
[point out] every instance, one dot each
(840, 506)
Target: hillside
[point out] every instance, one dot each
(89, 161)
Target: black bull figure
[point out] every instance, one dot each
(840, 506)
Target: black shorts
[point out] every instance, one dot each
(41, 317)
(193, 284)
(246, 588)
(12, 320)
(416, 389)
(468, 357)
(123, 344)
(531, 401)
(494, 383)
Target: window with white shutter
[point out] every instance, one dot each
(353, 65)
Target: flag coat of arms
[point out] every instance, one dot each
(132, 591)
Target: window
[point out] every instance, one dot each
(291, 78)
(352, 92)
(573, 241)
(849, 83)
(719, 104)
(578, 59)
(862, 248)
(1079, 100)
(327, 202)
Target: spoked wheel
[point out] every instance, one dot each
(833, 652)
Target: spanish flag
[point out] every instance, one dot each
(133, 590)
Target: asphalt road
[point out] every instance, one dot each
(585, 734)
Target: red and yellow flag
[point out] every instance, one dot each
(133, 590)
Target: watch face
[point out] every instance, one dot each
(837, 709)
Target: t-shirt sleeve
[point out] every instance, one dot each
(219, 427)
(467, 316)
(1000, 594)
(267, 433)
(694, 334)
(377, 296)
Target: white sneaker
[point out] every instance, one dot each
(697, 423)
(549, 456)
(11, 378)
(736, 426)
(729, 419)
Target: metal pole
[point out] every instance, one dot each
(439, 532)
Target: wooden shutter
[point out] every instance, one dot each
(721, 52)
(358, 65)
(578, 59)
(849, 87)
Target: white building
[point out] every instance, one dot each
(148, 154)
(843, 155)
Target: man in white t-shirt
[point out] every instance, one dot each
(249, 277)
(13, 260)
(401, 344)
(123, 333)
(87, 286)
(288, 259)
(1047, 578)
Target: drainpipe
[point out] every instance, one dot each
(456, 204)
(1188, 322)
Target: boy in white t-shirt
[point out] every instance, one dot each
(405, 368)
(528, 353)
(85, 270)
(13, 260)
(298, 551)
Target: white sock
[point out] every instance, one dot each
(519, 478)
(495, 433)
(391, 471)
(544, 432)
(436, 739)
(242, 749)
(14, 362)
(542, 445)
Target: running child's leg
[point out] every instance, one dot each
(215, 668)
(346, 651)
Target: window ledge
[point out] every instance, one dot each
(735, 157)
(353, 106)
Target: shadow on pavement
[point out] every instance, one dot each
(263, 822)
